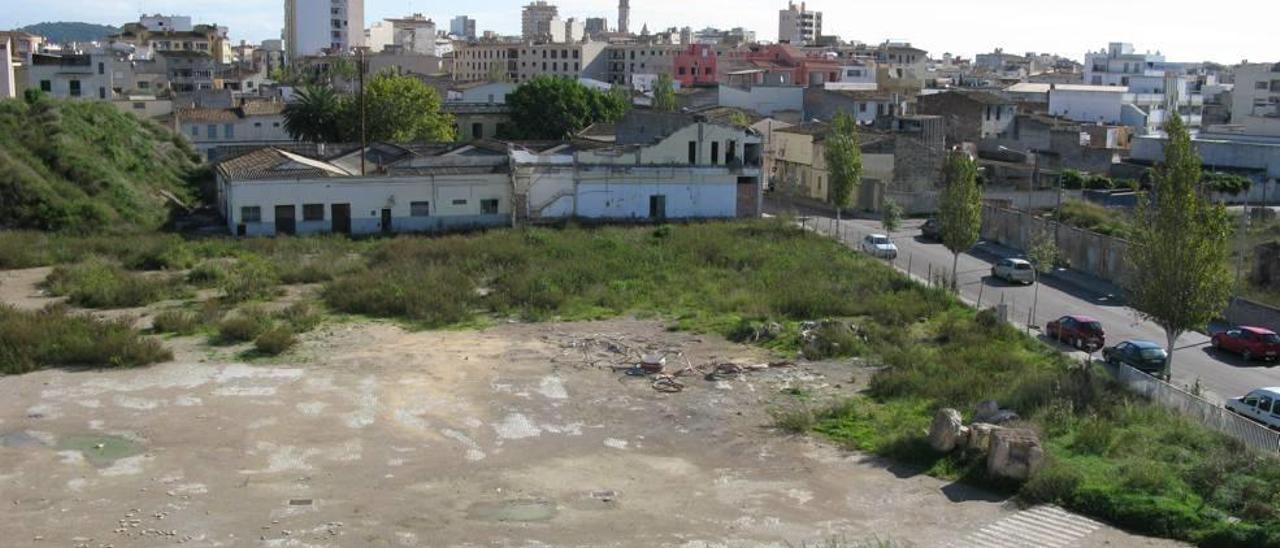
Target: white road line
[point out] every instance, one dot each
(1039, 527)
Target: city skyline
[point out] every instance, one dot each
(1006, 23)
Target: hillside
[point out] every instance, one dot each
(70, 31)
(84, 165)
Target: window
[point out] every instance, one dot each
(102, 92)
(862, 107)
(102, 68)
(46, 86)
(228, 131)
(251, 214)
(419, 209)
(313, 212)
(715, 152)
(1260, 85)
(75, 88)
(195, 131)
(489, 207)
(257, 124)
(211, 131)
(693, 152)
(460, 202)
(477, 130)
(139, 106)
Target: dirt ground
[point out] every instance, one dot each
(515, 435)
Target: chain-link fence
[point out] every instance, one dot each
(1207, 413)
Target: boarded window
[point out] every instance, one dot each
(459, 202)
(251, 214)
(693, 152)
(489, 207)
(313, 212)
(419, 209)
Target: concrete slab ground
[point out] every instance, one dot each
(516, 435)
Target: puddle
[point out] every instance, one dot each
(20, 440)
(513, 510)
(101, 450)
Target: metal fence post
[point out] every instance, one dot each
(930, 279)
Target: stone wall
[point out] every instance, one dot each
(1089, 252)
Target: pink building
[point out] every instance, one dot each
(696, 65)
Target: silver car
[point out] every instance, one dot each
(1014, 271)
(878, 245)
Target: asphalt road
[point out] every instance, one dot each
(1220, 375)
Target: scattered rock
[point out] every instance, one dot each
(946, 431)
(990, 412)
(1014, 453)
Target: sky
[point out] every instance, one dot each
(1226, 31)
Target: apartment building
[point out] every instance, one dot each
(23, 45)
(463, 27)
(1255, 100)
(413, 34)
(312, 27)
(156, 34)
(797, 25)
(521, 62)
(535, 20)
(627, 61)
(251, 123)
(93, 75)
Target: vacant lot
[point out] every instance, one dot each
(513, 435)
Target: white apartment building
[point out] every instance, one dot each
(312, 27)
(519, 62)
(797, 25)
(252, 123)
(166, 23)
(95, 75)
(1255, 101)
(414, 34)
(535, 20)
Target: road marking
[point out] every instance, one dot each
(1042, 526)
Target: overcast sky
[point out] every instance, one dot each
(1226, 31)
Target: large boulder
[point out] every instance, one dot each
(1014, 453)
(947, 430)
(990, 412)
(980, 436)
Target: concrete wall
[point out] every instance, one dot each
(1087, 106)
(764, 100)
(1219, 150)
(1094, 254)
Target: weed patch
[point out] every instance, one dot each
(54, 338)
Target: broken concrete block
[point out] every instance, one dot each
(946, 431)
(1014, 453)
(980, 436)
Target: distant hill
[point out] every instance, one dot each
(87, 166)
(69, 31)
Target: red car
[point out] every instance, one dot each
(1079, 331)
(1249, 342)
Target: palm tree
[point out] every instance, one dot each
(314, 115)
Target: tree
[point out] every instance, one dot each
(1179, 276)
(959, 208)
(844, 160)
(1044, 256)
(496, 73)
(400, 109)
(315, 115)
(548, 107)
(664, 94)
(891, 218)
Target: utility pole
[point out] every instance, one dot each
(364, 144)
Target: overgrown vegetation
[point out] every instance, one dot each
(98, 283)
(54, 338)
(1096, 218)
(83, 165)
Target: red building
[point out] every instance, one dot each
(696, 65)
(782, 64)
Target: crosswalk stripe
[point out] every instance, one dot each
(1047, 528)
(1039, 527)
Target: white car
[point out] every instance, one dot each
(1262, 405)
(878, 245)
(1014, 271)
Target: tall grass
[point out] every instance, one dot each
(97, 283)
(53, 338)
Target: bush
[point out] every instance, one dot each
(209, 273)
(178, 322)
(1099, 182)
(242, 327)
(1072, 179)
(300, 317)
(275, 341)
(97, 283)
(1056, 483)
(54, 338)
(248, 279)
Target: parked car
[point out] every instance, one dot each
(878, 245)
(1262, 405)
(931, 229)
(1082, 332)
(1014, 271)
(1249, 342)
(1144, 356)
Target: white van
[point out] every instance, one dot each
(1262, 405)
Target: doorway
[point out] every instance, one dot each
(386, 221)
(340, 218)
(286, 223)
(658, 207)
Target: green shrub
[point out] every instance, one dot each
(210, 273)
(248, 279)
(243, 326)
(1094, 436)
(834, 339)
(178, 322)
(1056, 483)
(1096, 218)
(1099, 182)
(97, 283)
(54, 338)
(275, 341)
(316, 268)
(1072, 179)
(300, 317)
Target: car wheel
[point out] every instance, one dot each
(1247, 355)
